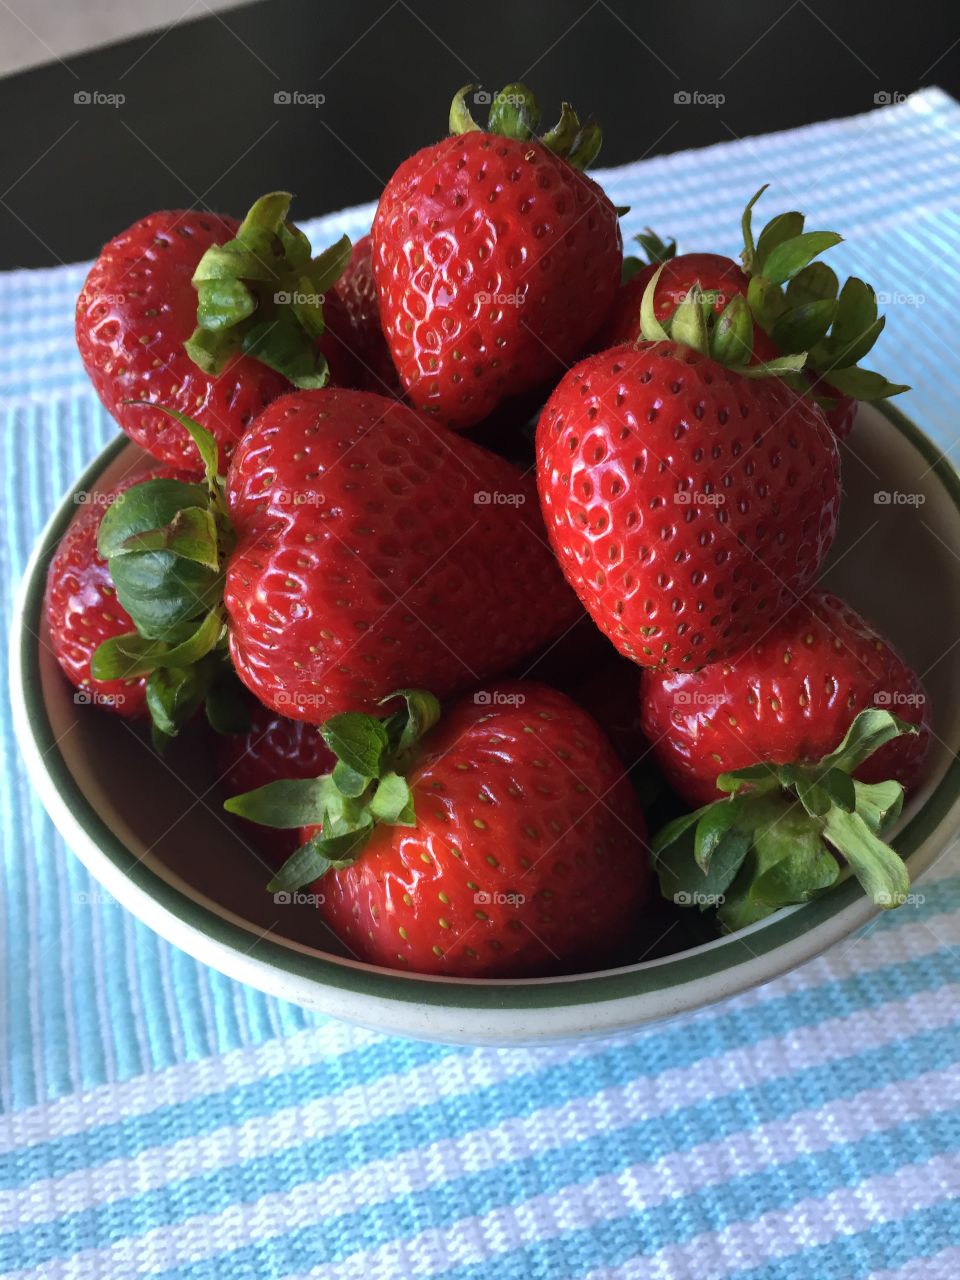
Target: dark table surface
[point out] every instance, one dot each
(196, 114)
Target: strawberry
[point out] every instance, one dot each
(504, 843)
(138, 333)
(495, 258)
(789, 698)
(270, 747)
(797, 734)
(82, 609)
(688, 503)
(796, 304)
(352, 316)
(363, 548)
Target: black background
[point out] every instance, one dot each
(199, 124)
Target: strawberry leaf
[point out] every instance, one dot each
(785, 226)
(791, 256)
(358, 740)
(878, 803)
(868, 732)
(879, 869)
(286, 803)
(392, 801)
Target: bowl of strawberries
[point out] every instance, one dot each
(483, 636)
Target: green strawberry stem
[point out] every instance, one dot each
(261, 294)
(726, 338)
(365, 788)
(799, 302)
(515, 113)
(166, 544)
(784, 834)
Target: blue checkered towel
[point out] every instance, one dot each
(161, 1120)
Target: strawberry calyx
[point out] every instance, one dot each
(785, 834)
(365, 788)
(261, 294)
(515, 113)
(166, 543)
(654, 249)
(726, 337)
(799, 302)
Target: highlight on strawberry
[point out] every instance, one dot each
(500, 839)
(351, 544)
(798, 736)
(495, 257)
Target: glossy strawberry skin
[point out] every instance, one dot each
(365, 563)
(723, 277)
(788, 699)
(495, 262)
(136, 310)
(688, 506)
(528, 856)
(352, 316)
(713, 272)
(272, 748)
(81, 606)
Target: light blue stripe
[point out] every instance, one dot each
(740, 1199)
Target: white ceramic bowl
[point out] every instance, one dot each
(162, 849)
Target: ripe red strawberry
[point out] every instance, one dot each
(270, 748)
(365, 549)
(495, 258)
(811, 737)
(796, 304)
(352, 315)
(82, 609)
(789, 698)
(514, 848)
(688, 504)
(137, 323)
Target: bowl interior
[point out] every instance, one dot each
(894, 560)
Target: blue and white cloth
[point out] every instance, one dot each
(160, 1120)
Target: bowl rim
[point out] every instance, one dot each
(729, 963)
